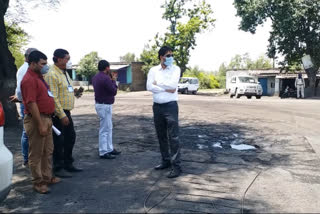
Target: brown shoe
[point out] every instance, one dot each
(41, 188)
(54, 180)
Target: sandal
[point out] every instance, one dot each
(53, 180)
(41, 188)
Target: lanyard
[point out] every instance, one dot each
(66, 77)
(45, 84)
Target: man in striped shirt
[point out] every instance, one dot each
(61, 86)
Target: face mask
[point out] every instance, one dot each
(44, 69)
(169, 61)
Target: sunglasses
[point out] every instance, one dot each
(169, 55)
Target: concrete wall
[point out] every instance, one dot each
(139, 79)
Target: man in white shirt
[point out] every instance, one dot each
(18, 98)
(163, 83)
(299, 83)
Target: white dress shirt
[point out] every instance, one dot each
(167, 78)
(20, 74)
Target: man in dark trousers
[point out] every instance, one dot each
(39, 107)
(105, 89)
(63, 94)
(163, 83)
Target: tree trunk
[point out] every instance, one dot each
(312, 76)
(7, 71)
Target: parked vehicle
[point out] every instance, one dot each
(6, 161)
(188, 84)
(244, 86)
(289, 92)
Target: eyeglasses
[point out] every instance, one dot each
(169, 55)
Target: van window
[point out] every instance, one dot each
(183, 80)
(233, 80)
(247, 80)
(194, 81)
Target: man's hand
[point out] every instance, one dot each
(171, 90)
(14, 99)
(114, 76)
(65, 121)
(78, 92)
(43, 131)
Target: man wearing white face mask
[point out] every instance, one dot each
(163, 82)
(18, 98)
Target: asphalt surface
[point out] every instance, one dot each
(281, 173)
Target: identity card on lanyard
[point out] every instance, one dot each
(70, 89)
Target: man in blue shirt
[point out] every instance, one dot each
(105, 89)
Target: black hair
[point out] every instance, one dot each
(59, 53)
(35, 56)
(163, 50)
(103, 64)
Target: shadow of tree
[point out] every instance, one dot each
(214, 179)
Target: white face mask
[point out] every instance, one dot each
(69, 65)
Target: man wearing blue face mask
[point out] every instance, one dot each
(163, 82)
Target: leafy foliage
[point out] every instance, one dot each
(181, 36)
(295, 28)
(149, 56)
(88, 65)
(17, 38)
(128, 58)
(207, 79)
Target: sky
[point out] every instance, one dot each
(116, 27)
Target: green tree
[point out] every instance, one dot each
(88, 65)
(206, 79)
(128, 58)
(7, 65)
(295, 29)
(17, 38)
(149, 57)
(181, 36)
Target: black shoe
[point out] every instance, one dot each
(163, 165)
(107, 156)
(175, 172)
(62, 173)
(115, 152)
(71, 168)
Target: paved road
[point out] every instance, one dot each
(281, 173)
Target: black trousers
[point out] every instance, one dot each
(167, 127)
(63, 144)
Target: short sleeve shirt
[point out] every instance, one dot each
(35, 89)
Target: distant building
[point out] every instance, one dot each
(130, 76)
(273, 82)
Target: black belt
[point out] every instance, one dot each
(41, 114)
(163, 104)
(103, 103)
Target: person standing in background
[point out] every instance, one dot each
(63, 94)
(105, 89)
(300, 84)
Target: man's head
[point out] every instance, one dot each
(28, 52)
(300, 75)
(37, 60)
(165, 55)
(104, 66)
(61, 58)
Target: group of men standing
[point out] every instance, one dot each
(47, 97)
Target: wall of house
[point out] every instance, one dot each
(139, 79)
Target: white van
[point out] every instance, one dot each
(188, 84)
(6, 162)
(244, 85)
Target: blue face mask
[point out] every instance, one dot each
(44, 69)
(169, 61)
